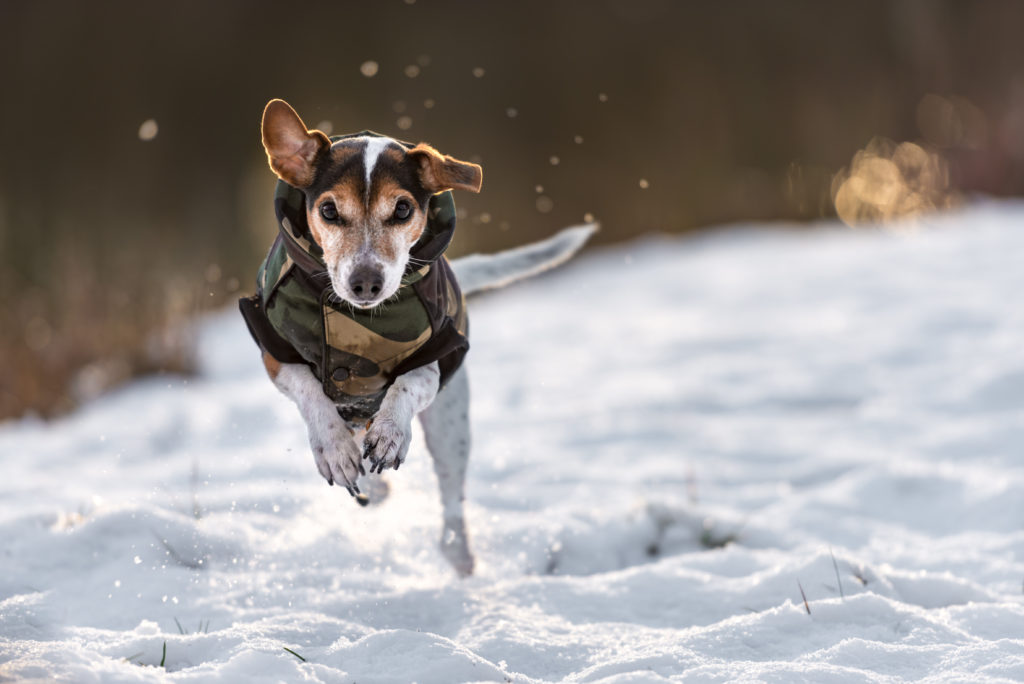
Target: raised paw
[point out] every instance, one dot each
(386, 444)
(337, 459)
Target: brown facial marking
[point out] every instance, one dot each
(395, 235)
(389, 185)
(337, 238)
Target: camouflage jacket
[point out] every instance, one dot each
(357, 354)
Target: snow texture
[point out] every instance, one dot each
(672, 440)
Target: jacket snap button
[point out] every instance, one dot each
(340, 374)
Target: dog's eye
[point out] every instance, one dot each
(329, 211)
(403, 210)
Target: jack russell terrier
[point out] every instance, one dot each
(360, 317)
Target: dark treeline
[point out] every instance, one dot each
(648, 115)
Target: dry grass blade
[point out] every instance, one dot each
(835, 566)
(807, 606)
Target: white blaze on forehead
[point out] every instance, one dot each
(374, 146)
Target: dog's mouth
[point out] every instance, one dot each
(358, 302)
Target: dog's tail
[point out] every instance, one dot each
(477, 272)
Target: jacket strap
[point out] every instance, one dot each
(289, 230)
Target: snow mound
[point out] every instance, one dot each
(676, 442)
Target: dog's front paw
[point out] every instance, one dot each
(386, 444)
(337, 458)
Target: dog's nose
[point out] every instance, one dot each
(366, 282)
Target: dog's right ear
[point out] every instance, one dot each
(291, 148)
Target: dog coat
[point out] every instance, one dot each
(356, 354)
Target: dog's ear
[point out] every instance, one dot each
(291, 148)
(439, 172)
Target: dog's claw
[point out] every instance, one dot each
(362, 499)
(330, 481)
(386, 444)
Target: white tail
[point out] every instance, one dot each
(477, 272)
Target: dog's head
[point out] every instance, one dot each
(366, 198)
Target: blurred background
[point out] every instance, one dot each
(134, 192)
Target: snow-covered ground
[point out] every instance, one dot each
(672, 438)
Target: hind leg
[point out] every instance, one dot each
(446, 431)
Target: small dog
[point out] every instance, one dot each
(360, 318)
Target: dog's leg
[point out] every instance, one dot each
(387, 439)
(446, 430)
(335, 451)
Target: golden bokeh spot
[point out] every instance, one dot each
(886, 181)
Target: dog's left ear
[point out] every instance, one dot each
(291, 149)
(439, 172)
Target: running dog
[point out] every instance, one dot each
(360, 317)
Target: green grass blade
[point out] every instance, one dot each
(294, 653)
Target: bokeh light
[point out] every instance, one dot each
(148, 130)
(888, 180)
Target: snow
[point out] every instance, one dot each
(671, 439)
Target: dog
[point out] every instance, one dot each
(360, 317)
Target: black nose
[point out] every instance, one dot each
(366, 282)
